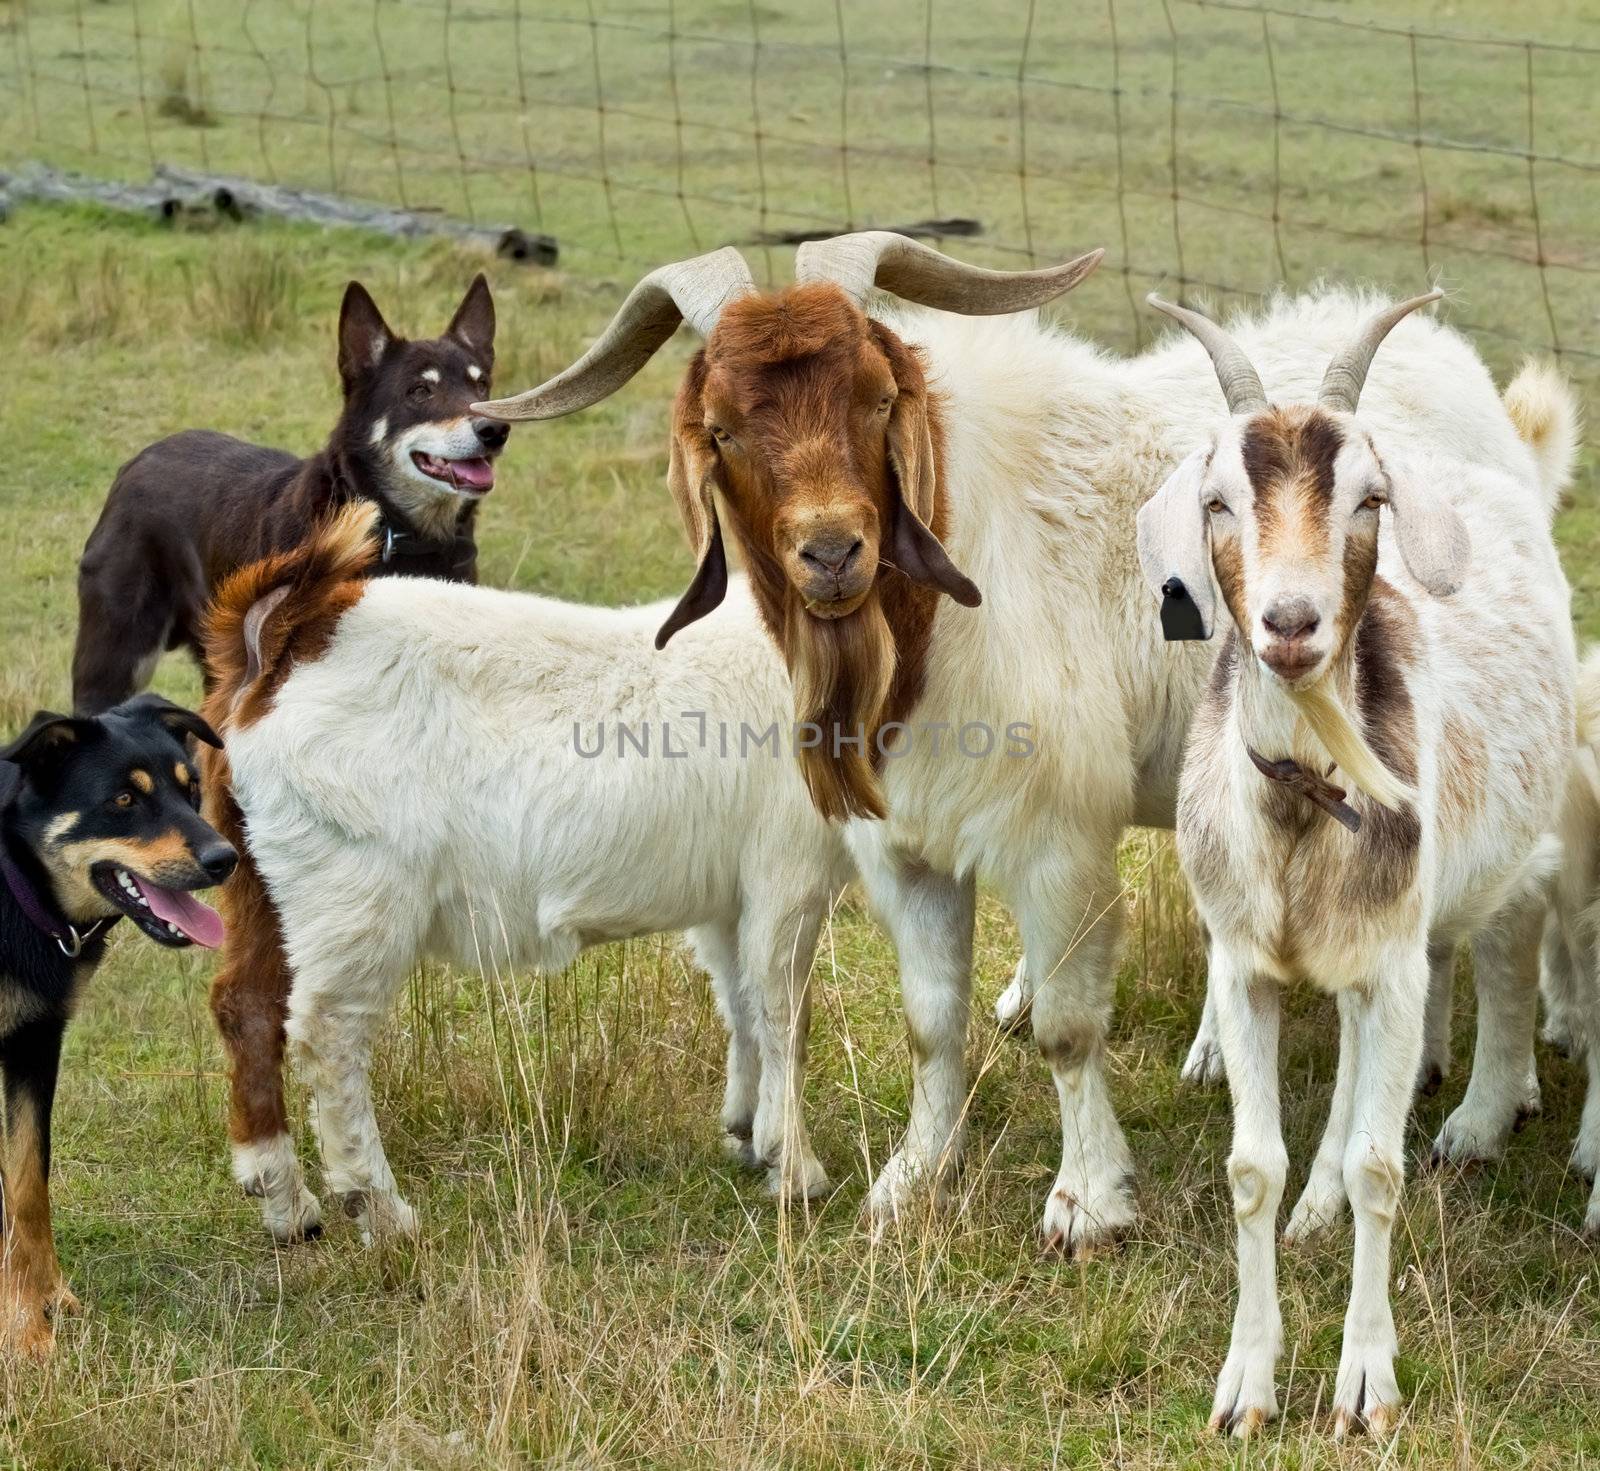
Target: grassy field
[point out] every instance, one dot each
(594, 1284)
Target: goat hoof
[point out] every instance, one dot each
(1079, 1227)
(741, 1150)
(1431, 1080)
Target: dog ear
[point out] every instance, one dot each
(45, 742)
(691, 476)
(174, 719)
(473, 324)
(363, 335)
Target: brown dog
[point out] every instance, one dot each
(191, 509)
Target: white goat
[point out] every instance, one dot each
(1571, 961)
(1452, 719)
(817, 432)
(427, 769)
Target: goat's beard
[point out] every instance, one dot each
(841, 669)
(1323, 711)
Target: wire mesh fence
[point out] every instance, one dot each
(1216, 146)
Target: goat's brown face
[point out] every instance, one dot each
(813, 423)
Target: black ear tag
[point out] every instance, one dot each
(1180, 618)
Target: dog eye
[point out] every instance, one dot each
(122, 799)
(420, 391)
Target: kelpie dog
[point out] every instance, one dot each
(189, 510)
(99, 821)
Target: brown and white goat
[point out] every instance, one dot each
(1429, 669)
(845, 452)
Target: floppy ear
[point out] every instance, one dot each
(173, 718)
(909, 545)
(1434, 542)
(363, 335)
(1175, 552)
(45, 742)
(692, 478)
(473, 324)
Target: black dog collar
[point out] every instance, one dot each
(69, 939)
(397, 541)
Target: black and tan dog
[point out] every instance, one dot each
(189, 510)
(99, 822)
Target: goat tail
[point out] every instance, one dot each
(272, 613)
(1547, 418)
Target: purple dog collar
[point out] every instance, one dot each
(68, 940)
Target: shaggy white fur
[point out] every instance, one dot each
(1051, 448)
(427, 788)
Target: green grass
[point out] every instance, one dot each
(594, 1283)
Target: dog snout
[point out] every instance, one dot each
(1291, 618)
(831, 553)
(492, 434)
(218, 860)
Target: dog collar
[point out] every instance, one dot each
(69, 939)
(398, 542)
(1317, 790)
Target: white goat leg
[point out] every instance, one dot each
(332, 1045)
(1436, 1026)
(1323, 1200)
(1247, 1026)
(1388, 1046)
(1203, 1066)
(1070, 930)
(779, 954)
(1561, 989)
(929, 917)
(716, 947)
(1506, 970)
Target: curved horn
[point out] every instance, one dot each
(693, 291)
(917, 272)
(1347, 373)
(1241, 385)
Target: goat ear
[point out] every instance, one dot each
(473, 324)
(1175, 552)
(1434, 542)
(691, 476)
(911, 453)
(910, 546)
(363, 335)
(174, 719)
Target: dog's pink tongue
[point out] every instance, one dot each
(478, 474)
(200, 922)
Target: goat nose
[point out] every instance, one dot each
(218, 860)
(832, 552)
(491, 432)
(1291, 618)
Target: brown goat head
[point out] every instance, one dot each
(815, 428)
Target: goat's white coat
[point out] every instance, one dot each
(417, 792)
(1489, 675)
(1051, 448)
